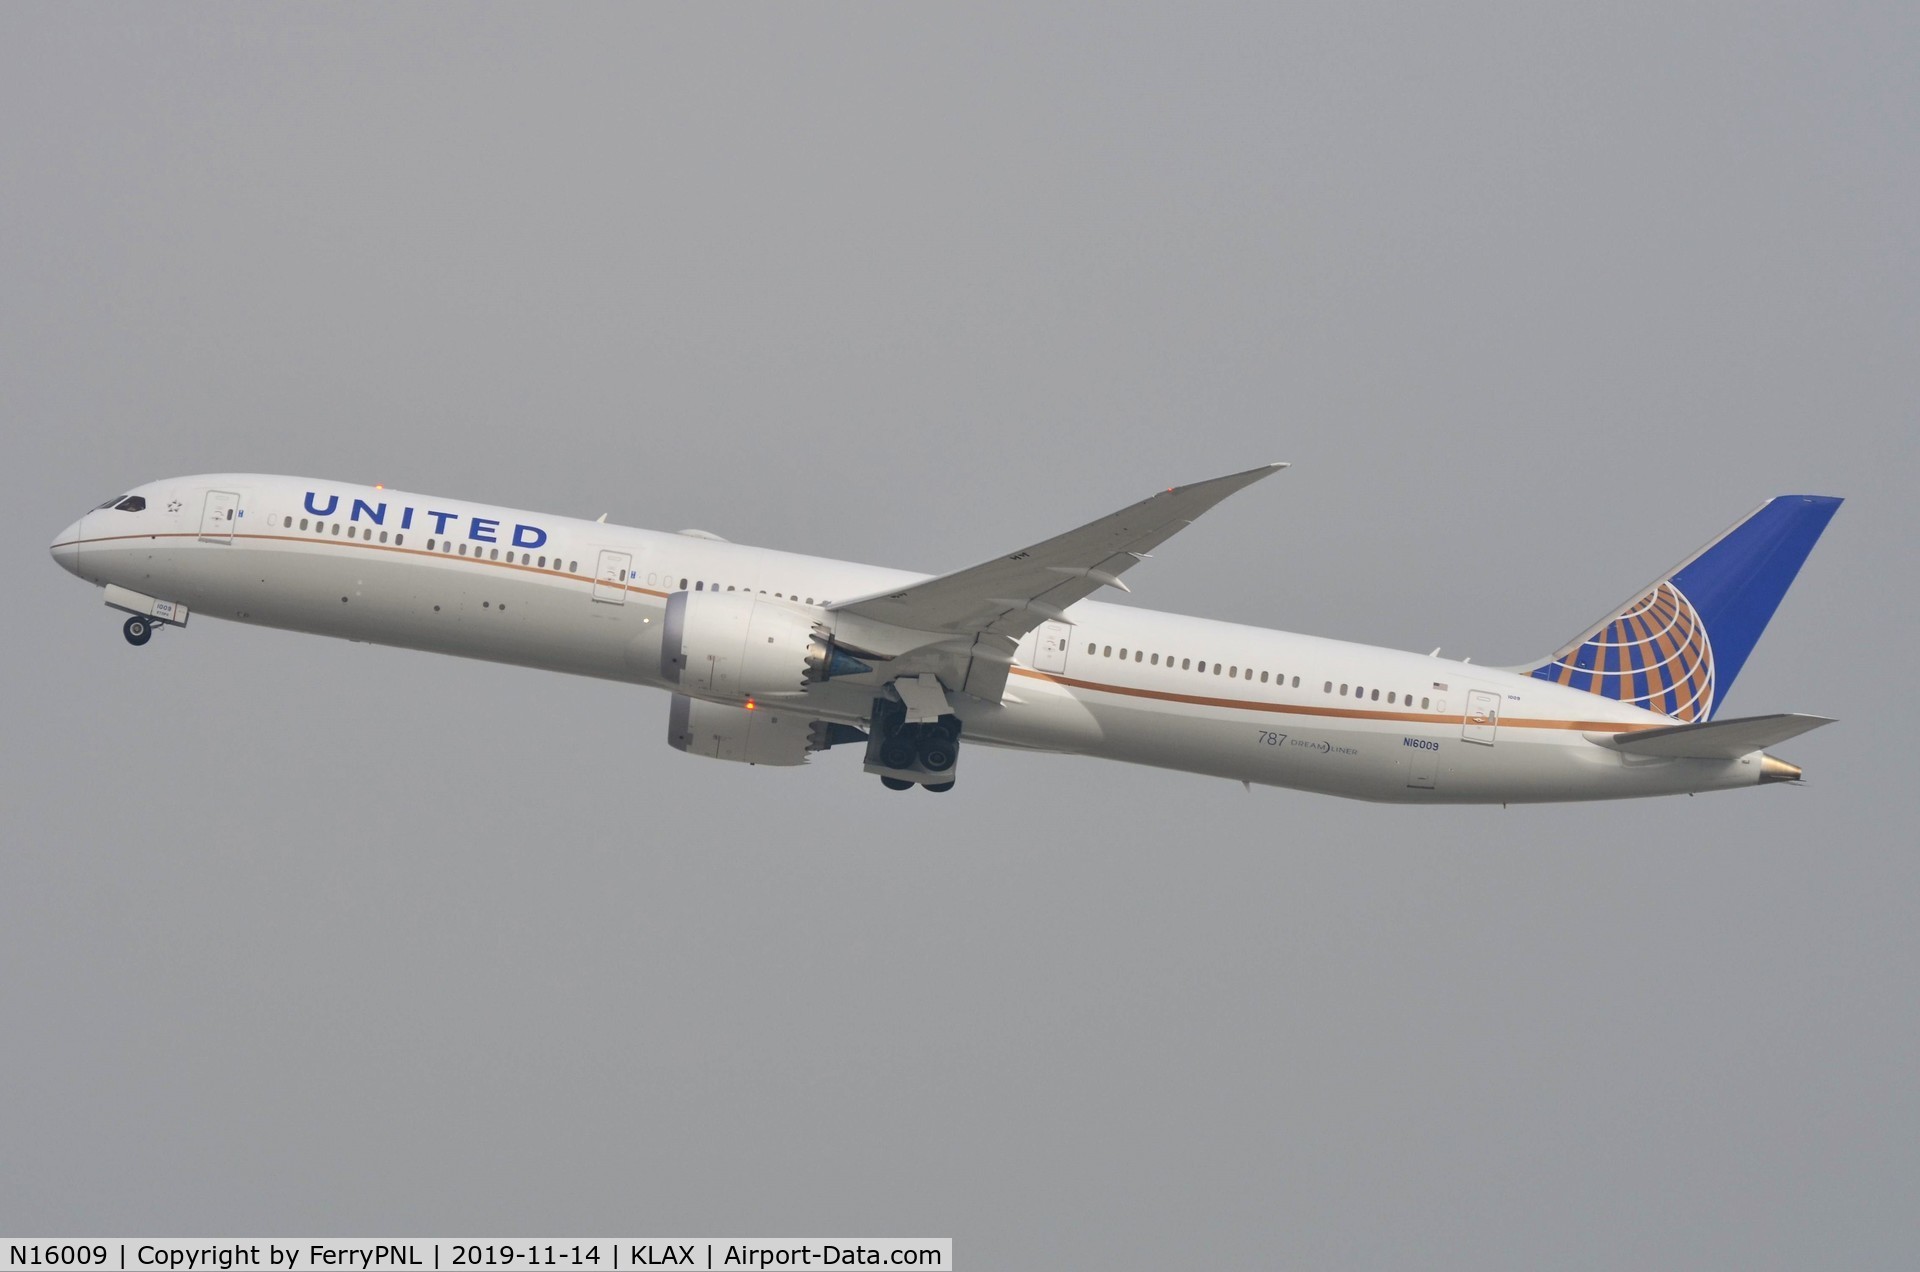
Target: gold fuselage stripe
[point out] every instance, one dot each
(1095, 686)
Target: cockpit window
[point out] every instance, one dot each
(110, 503)
(132, 503)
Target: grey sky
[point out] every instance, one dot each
(302, 937)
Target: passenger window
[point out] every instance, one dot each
(383, 536)
(573, 567)
(1186, 664)
(399, 539)
(1216, 669)
(1376, 695)
(1093, 649)
(1423, 704)
(429, 545)
(1137, 655)
(336, 529)
(1156, 660)
(303, 523)
(1343, 691)
(463, 549)
(289, 524)
(1106, 653)
(1389, 697)
(1263, 677)
(1296, 682)
(1234, 671)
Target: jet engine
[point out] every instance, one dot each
(747, 646)
(759, 734)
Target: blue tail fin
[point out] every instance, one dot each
(1677, 646)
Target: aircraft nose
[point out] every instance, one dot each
(66, 547)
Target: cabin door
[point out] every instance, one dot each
(1483, 717)
(216, 523)
(610, 580)
(1050, 647)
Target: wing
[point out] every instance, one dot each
(1011, 595)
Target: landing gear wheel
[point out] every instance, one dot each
(939, 787)
(897, 783)
(138, 630)
(936, 751)
(897, 753)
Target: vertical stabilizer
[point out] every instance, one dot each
(1677, 646)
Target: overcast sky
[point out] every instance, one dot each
(300, 937)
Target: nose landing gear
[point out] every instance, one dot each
(144, 613)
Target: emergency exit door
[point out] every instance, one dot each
(216, 523)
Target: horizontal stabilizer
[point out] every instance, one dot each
(1720, 740)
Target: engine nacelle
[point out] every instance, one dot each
(743, 645)
(764, 734)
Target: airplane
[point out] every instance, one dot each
(772, 656)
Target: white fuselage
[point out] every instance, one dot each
(455, 577)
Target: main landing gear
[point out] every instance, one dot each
(907, 754)
(138, 630)
(907, 784)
